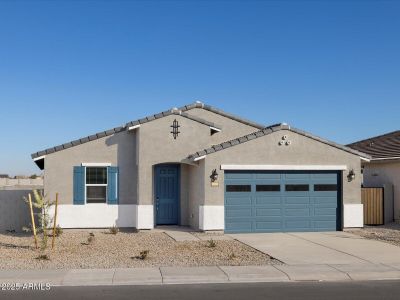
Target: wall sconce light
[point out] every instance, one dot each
(214, 175)
(351, 176)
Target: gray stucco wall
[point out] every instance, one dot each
(378, 174)
(14, 211)
(265, 150)
(137, 152)
(196, 192)
(231, 129)
(118, 149)
(156, 145)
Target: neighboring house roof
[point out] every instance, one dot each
(386, 146)
(266, 131)
(182, 111)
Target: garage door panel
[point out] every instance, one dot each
(297, 223)
(297, 200)
(239, 225)
(325, 200)
(325, 225)
(304, 176)
(276, 176)
(238, 201)
(239, 212)
(263, 212)
(239, 175)
(271, 226)
(268, 200)
(325, 211)
(323, 175)
(283, 202)
(297, 212)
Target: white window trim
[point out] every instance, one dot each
(106, 185)
(96, 164)
(285, 167)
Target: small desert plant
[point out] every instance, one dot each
(143, 254)
(90, 238)
(232, 256)
(43, 205)
(211, 243)
(114, 229)
(58, 230)
(43, 257)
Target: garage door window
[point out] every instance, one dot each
(268, 188)
(297, 187)
(238, 188)
(325, 187)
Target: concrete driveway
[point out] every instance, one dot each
(321, 248)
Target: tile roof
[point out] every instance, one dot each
(266, 131)
(177, 111)
(169, 113)
(185, 108)
(384, 146)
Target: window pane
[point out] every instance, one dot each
(325, 187)
(238, 188)
(297, 188)
(268, 188)
(96, 194)
(96, 175)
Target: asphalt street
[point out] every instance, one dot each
(253, 291)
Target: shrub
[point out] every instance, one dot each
(143, 254)
(232, 256)
(43, 205)
(114, 229)
(58, 231)
(43, 257)
(211, 243)
(90, 238)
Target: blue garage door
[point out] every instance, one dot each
(261, 201)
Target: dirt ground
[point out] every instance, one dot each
(73, 250)
(389, 233)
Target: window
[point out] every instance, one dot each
(238, 188)
(268, 188)
(325, 187)
(297, 188)
(96, 184)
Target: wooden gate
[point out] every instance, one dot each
(372, 198)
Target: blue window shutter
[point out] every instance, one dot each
(112, 186)
(79, 185)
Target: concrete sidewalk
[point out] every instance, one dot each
(213, 274)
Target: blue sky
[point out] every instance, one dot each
(70, 69)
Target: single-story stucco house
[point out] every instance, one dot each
(383, 169)
(202, 167)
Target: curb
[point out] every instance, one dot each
(200, 275)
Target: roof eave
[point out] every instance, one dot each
(273, 128)
(136, 124)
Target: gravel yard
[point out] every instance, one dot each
(389, 233)
(122, 251)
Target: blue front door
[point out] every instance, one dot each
(167, 194)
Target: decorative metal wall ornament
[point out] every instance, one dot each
(175, 129)
(214, 175)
